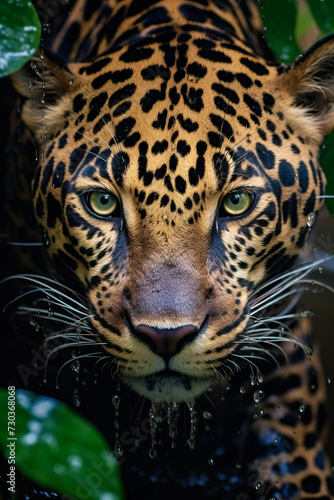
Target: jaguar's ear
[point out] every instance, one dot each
(47, 88)
(310, 83)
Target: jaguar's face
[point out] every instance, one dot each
(170, 201)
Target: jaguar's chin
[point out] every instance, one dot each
(169, 387)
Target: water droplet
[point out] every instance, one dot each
(258, 486)
(70, 80)
(156, 417)
(242, 389)
(118, 448)
(329, 380)
(75, 366)
(193, 426)
(116, 401)
(47, 28)
(259, 378)
(302, 408)
(275, 440)
(238, 465)
(207, 415)
(56, 179)
(42, 140)
(306, 314)
(258, 396)
(36, 69)
(31, 85)
(173, 413)
(211, 461)
(309, 350)
(76, 397)
(321, 269)
(311, 219)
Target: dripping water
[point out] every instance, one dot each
(118, 448)
(193, 425)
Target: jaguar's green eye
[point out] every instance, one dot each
(102, 204)
(236, 203)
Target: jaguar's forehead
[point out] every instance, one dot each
(172, 119)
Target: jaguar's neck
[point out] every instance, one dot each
(101, 26)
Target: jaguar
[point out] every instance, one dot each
(176, 185)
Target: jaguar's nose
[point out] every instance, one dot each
(166, 342)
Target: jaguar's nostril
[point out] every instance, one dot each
(168, 341)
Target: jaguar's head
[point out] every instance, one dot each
(170, 193)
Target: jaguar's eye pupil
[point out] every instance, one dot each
(235, 199)
(105, 199)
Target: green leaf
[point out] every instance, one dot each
(59, 449)
(323, 12)
(305, 22)
(326, 159)
(279, 22)
(20, 33)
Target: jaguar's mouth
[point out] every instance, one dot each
(168, 386)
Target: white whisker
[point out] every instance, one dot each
(38, 280)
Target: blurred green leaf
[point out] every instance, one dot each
(279, 22)
(305, 22)
(323, 12)
(20, 33)
(327, 162)
(59, 449)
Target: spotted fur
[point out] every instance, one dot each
(171, 106)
